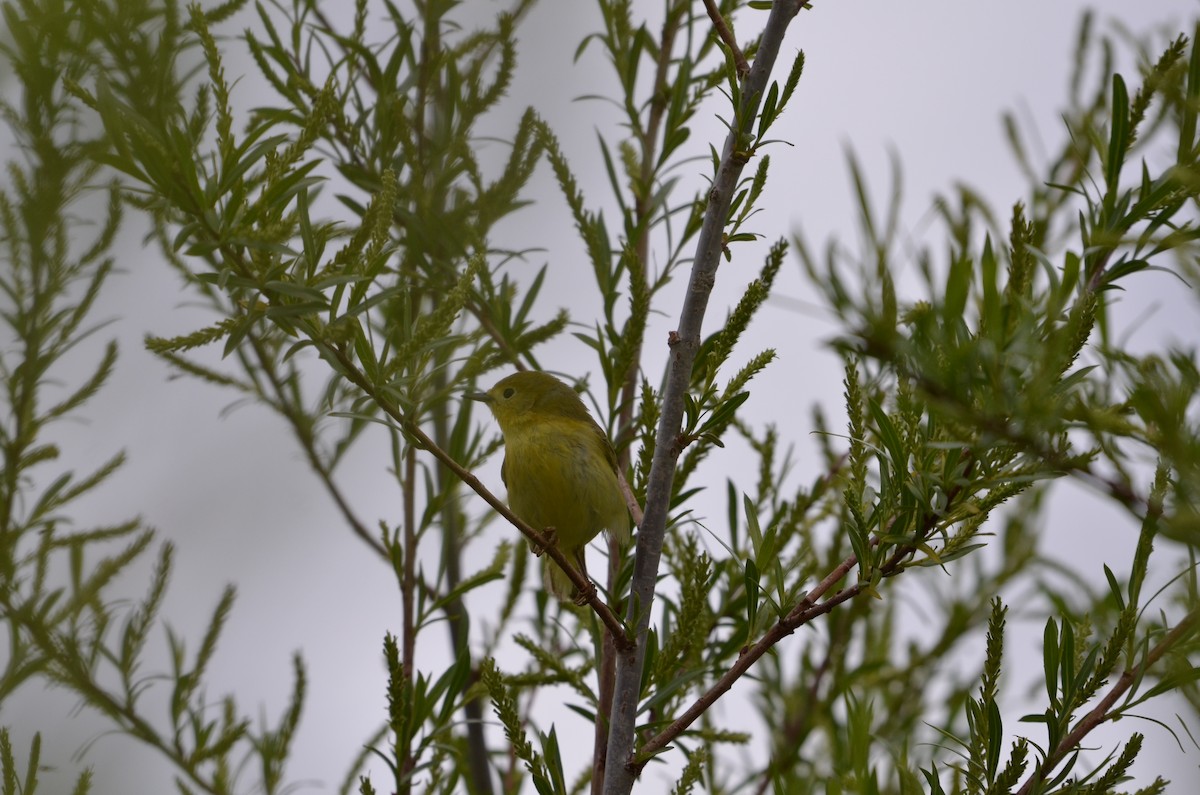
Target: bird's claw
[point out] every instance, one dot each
(583, 597)
(550, 535)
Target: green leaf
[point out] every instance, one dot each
(890, 437)
(958, 287)
(1051, 659)
(1114, 587)
(1067, 660)
(1186, 150)
(1118, 140)
(751, 581)
(995, 737)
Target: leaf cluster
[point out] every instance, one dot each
(340, 237)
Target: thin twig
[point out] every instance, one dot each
(797, 727)
(801, 614)
(631, 502)
(723, 30)
(66, 666)
(303, 432)
(606, 674)
(805, 611)
(457, 622)
(606, 682)
(408, 600)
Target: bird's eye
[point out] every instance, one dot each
(509, 393)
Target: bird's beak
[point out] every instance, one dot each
(482, 397)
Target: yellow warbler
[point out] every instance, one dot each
(559, 467)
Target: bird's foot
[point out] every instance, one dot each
(583, 597)
(550, 536)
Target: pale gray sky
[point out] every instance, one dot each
(925, 78)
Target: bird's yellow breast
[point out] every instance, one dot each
(558, 475)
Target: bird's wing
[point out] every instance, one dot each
(610, 454)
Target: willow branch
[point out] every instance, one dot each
(726, 34)
(1103, 710)
(805, 611)
(70, 669)
(808, 608)
(683, 344)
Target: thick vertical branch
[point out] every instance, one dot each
(606, 672)
(684, 343)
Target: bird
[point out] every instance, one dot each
(559, 468)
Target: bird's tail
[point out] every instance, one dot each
(556, 580)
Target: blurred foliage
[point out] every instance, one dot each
(340, 234)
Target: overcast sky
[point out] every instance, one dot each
(926, 79)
